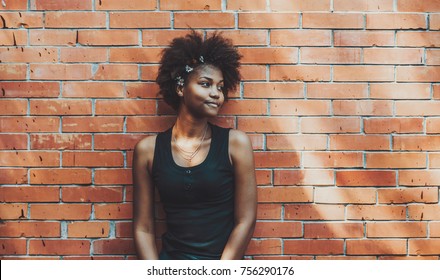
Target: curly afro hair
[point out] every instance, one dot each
(187, 51)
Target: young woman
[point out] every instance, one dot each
(205, 174)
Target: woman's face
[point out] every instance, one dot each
(203, 92)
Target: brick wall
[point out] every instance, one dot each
(341, 99)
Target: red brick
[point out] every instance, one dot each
(116, 72)
(60, 71)
(75, 20)
(362, 107)
(149, 72)
(243, 5)
(408, 195)
(12, 72)
(12, 246)
(13, 176)
(299, 107)
(300, 5)
(337, 91)
(29, 158)
(268, 20)
(83, 55)
(418, 39)
(269, 211)
(424, 246)
(15, 5)
(313, 212)
(396, 160)
(278, 229)
(376, 247)
(124, 229)
(30, 229)
(190, 5)
(204, 20)
(150, 123)
(29, 194)
(108, 37)
(393, 125)
(396, 21)
(110, 141)
(363, 5)
(92, 124)
(113, 176)
(285, 194)
(63, 141)
(363, 38)
(21, 19)
(247, 37)
(366, 178)
(393, 56)
(266, 124)
(286, 37)
(418, 108)
(345, 258)
(93, 89)
(307, 73)
(397, 229)
(419, 178)
(92, 194)
(61, 211)
(418, 73)
(400, 91)
(314, 247)
(332, 20)
(59, 247)
(265, 55)
(29, 124)
(28, 55)
(93, 159)
(141, 90)
(434, 160)
(408, 258)
(244, 107)
(376, 213)
(274, 159)
(52, 37)
(13, 38)
(30, 89)
(330, 55)
(434, 21)
(264, 246)
(304, 177)
(13, 142)
(13, 211)
(137, 55)
(61, 4)
(363, 73)
(345, 195)
(140, 20)
(332, 159)
(264, 177)
(416, 143)
(126, 5)
(13, 107)
(333, 230)
(432, 57)
(418, 6)
(61, 107)
(60, 176)
(88, 229)
(273, 90)
(114, 247)
(434, 229)
(359, 142)
(296, 142)
(330, 125)
(253, 72)
(424, 212)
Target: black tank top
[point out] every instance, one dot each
(198, 201)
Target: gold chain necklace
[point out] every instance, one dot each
(188, 156)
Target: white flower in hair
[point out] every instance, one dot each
(180, 81)
(188, 68)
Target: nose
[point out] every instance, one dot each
(214, 93)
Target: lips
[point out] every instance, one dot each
(212, 104)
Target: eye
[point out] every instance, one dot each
(220, 88)
(205, 84)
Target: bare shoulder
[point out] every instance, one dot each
(144, 149)
(238, 139)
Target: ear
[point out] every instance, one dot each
(179, 91)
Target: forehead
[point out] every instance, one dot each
(208, 71)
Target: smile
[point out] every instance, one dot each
(212, 104)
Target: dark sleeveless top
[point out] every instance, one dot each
(198, 201)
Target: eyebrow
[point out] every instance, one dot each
(209, 79)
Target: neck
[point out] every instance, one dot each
(189, 127)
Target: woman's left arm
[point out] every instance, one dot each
(245, 205)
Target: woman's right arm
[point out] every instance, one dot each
(143, 200)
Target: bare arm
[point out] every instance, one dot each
(143, 200)
(245, 212)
